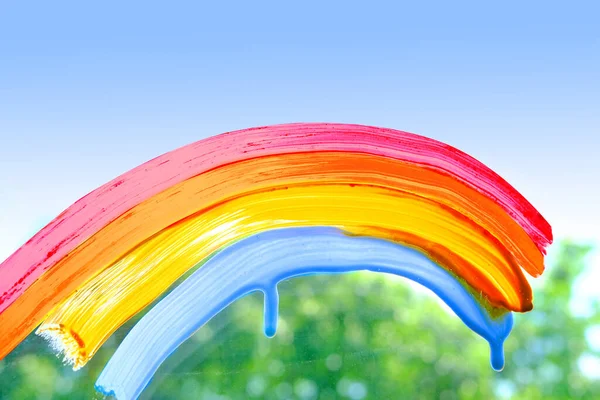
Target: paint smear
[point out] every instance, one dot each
(261, 174)
(99, 307)
(442, 217)
(258, 263)
(94, 211)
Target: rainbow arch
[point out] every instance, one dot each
(117, 249)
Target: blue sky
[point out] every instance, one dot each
(89, 91)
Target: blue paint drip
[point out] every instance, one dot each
(271, 310)
(258, 263)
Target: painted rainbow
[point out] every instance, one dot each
(254, 207)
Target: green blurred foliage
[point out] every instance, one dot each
(353, 336)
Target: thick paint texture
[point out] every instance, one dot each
(258, 263)
(93, 212)
(98, 308)
(373, 194)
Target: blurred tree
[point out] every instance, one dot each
(548, 343)
(355, 336)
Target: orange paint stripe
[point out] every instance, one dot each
(210, 188)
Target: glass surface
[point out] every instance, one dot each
(353, 336)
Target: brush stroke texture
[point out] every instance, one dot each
(116, 250)
(259, 263)
(93, 212)
(88, 317)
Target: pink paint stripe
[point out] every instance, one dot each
(97, 209)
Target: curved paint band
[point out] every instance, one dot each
(86, 319)
(201, 192)
(102, 206)
(261, 261)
